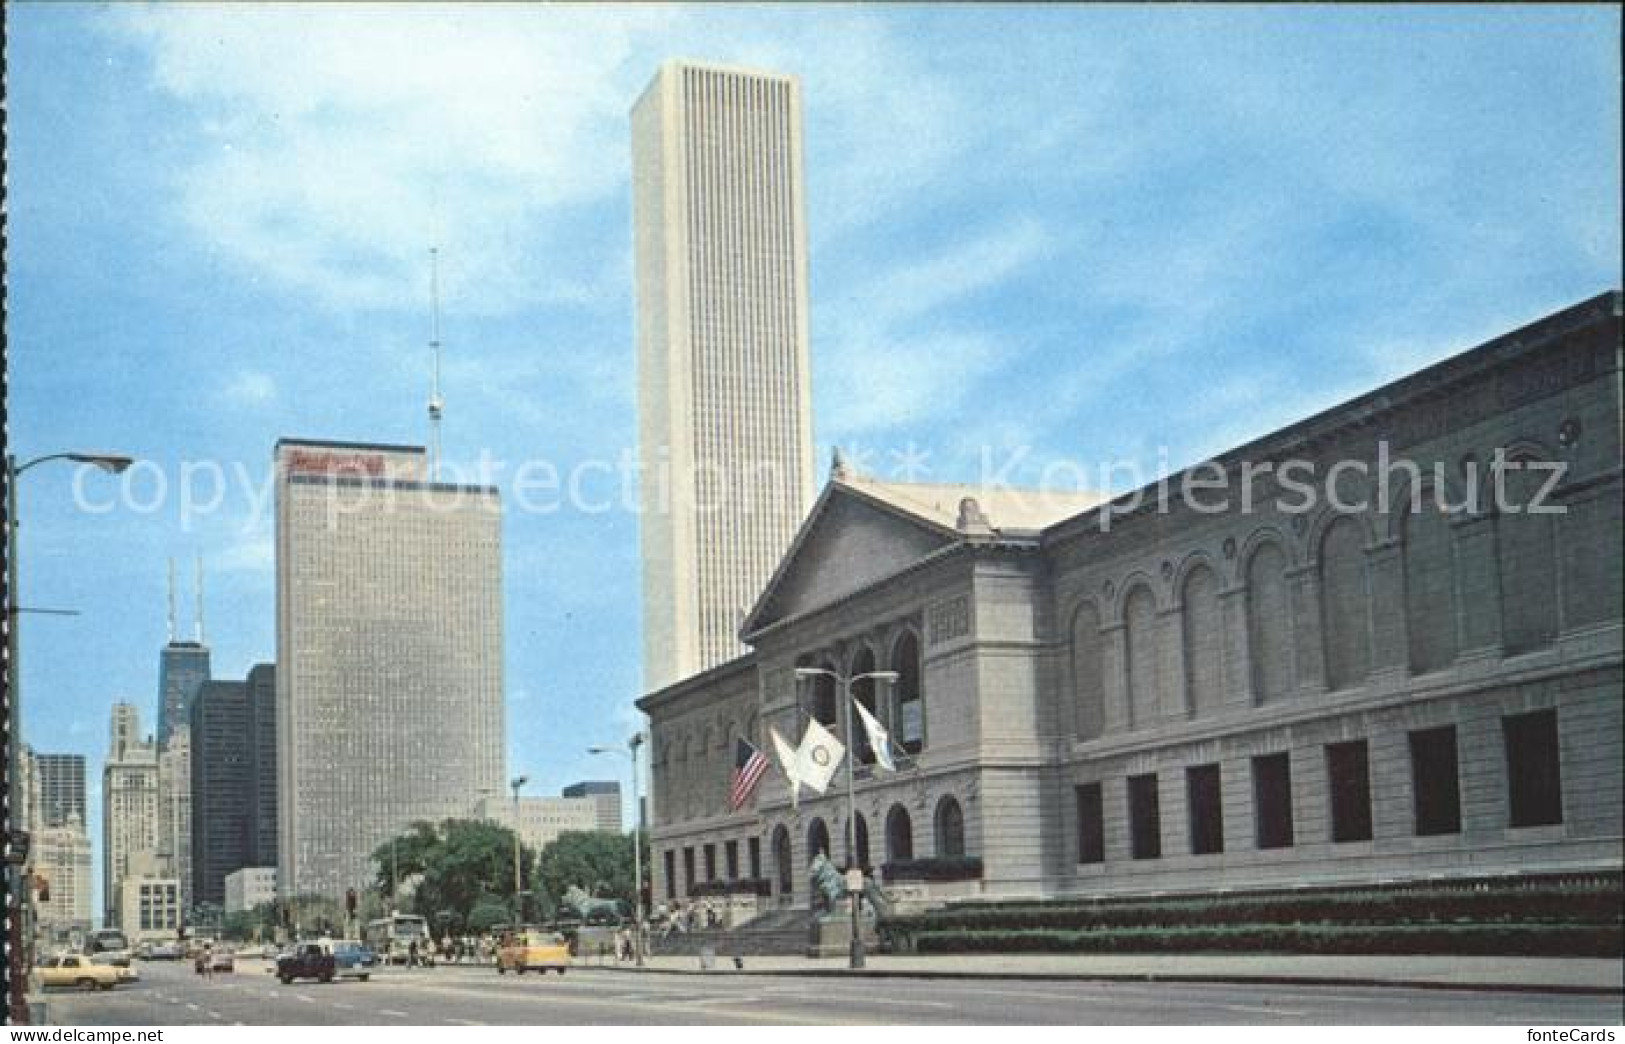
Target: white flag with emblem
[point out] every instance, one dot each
(879, 738)
(788, 761)
(818, 757)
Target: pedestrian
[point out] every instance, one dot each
(208, 961)
(412, 954)
(624, 939)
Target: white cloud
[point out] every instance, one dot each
(249, 388)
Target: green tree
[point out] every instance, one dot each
(597, 862)
(461, 862)
(489, 912)
(403, 856)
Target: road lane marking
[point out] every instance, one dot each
(343, 1007)
(215, 1015)
(464, 1022)
(1249, 1009)
(306, 998)
(392, 1013)
(193, 1007)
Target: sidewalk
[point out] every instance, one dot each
(1531, 974)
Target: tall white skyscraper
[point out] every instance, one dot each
(724, 403)
(175, 808)
(389, 697)
(130, 823)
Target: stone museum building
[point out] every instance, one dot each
(1384, 643)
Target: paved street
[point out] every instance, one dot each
(171, 994)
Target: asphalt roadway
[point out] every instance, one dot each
(172, 994)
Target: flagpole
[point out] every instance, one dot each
(845, 683)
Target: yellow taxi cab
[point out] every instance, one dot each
(73, 970)
(533, 951)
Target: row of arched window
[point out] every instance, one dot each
(948, 835)
(899, 706)
(1275, 663)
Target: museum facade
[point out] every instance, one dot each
(1384, 643)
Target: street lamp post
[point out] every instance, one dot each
(518, 900)
(844, 683)
(632, 746)
(17, 973)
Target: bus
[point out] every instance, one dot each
(391, 938)
(109, 944)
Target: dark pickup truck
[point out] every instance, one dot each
(305, 961)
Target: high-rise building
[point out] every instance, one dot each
(61, 861)
(540, 819)
(175, 809)
(183, 666)
(233, 751)
(389, 654)
(724, 399)
(129, 804)
(606, 798)
(60, 785)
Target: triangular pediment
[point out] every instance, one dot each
(849, 541)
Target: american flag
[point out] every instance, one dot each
(749, 766)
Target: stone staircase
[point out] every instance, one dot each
(779, 933)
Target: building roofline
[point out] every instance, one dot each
(695, 682)
(388, 447)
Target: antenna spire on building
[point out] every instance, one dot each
(172, 601)
(437, 405)
(198, 607)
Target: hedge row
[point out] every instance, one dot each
(1460, 940)
(1595, 908)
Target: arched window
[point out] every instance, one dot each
(864, 692)
(860, 828)
(1204, 641)
(1140, 619)
(1527, 548)
(817, 839)
(1345, 604)
(909, 728)
(950, 828)
(822, 704)
(1087, 679)
(1430, 585)
(899, 835)
(1269, 624)
(781, 860)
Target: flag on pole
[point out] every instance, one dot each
(818, 757)
(749, 766)
(879, 738)
(788, 761)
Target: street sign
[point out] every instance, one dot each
(854, 880)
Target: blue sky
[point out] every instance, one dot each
(1078, 233)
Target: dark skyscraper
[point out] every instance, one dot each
(182, 666)
(233, 780)
(61, 788)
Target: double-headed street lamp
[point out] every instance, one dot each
(518, 896)
(15, 841)
(844, 683)
(632, 746)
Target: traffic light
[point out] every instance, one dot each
(349, 902)
(44, 884)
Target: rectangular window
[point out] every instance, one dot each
(1534, 769)
(710, 862)
(688, 871)
(731, 855)
(1206, 809)
(1348, 774)
(755, 859)
(1091, 824)
(1144, 817)
(1435, 789)
(1272, 800)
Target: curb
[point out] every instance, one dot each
(1142, 977)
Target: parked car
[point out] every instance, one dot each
(307, 960)
(533, 951)
(223, 960)
(125, 972)
(73, 970)
(165, 952)
(270, 951)
(353, 959)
